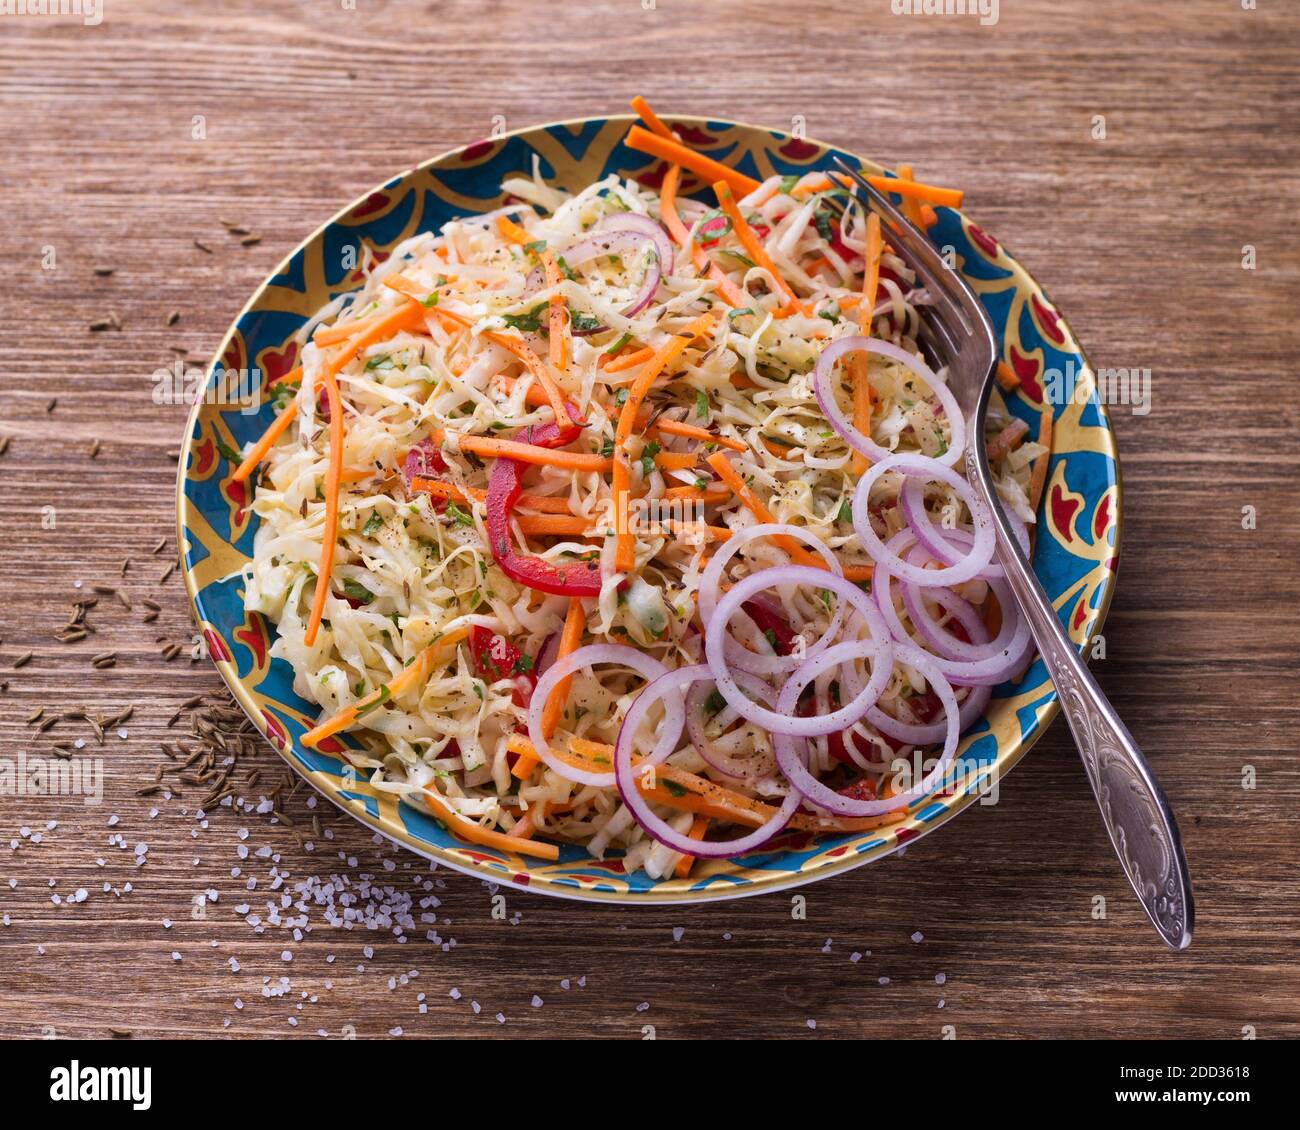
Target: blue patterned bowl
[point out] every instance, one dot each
(1075, 551)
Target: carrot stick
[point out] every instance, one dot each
(542, 525)
(699, 794)
(651, 119)
(401, 682)
(730, 293)
(1008, 438)
(629, 360)
(911, 206)
(676, 460)
(727, 473)
(477, 834)
(512, 231)
(673, 151)
(753, 245)
(1007, 377)
(559, 313)
(861, 382)
(698, 494)
(267, 441)
(1038, 476)
(690, 431)
(293, 376)
(545, 503)
(525, 452)
(507, 341)
(624, 556)
(329, 536)
(943, 197)
(575, 623)
(699, 826)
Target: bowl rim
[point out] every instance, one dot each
(542, 884)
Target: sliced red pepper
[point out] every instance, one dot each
(495, 657)
(771, 624)
(506, 483)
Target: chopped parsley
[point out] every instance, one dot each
(373, 525)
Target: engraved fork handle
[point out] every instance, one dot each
(1133, 806)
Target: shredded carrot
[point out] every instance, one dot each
(1008, 438)
(278, 427)
(690, 431)
(651, 119)
(754, 246)
(329, 535)
(559, 313)
(293, 376)
(698, 794)
(629, 360)
(673, 151)
(543, 525)
(477, 834)
(624, 557)
(730, 293)
(1007, 377)
(514, 344)
(545, 503)
(575, 623)
(942, 197)
(676, 460)
(1038, 476)
(526, 826)
(706, 494)
(341, 331)
(716, 533)
(911, 206)
(525, 452)
(727, 473)
(512, 231)
(929, 217)
(699, 826)
(403, 681)
(858, 366)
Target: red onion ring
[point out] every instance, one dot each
(715, 636)
(825, 797)
(986, 663)
(547, 654)
(660, 830)
(981, 552)
(737, 654)
(939, 543)
(643, 225)
(625, 656)
(610, 243)
(865, 445)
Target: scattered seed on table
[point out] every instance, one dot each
(124, 600)
(203, 247)
(49, 723)
(173, 317)
(148, 790)
(23, 660)
(114, 320)
(159, 547)
(99, 325)
(105, 590)
(167, 572)
(94, 449)
(103, 272)
(152, 605)
(4, 444)
(126, 564)
(63, 751)
(54, 403)
(250, 240)
(35, 715)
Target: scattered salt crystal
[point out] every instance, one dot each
(940, 978)
(812, 1024)
(918, 937)
(855, 957)
(678, 931)
(537, 1001)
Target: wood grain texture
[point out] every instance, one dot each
(1137, 237)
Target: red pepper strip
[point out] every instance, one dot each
(495, 658)
(771, 624)
(504, 488)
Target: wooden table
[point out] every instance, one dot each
(122, 144)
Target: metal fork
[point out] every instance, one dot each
(1133, 805)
